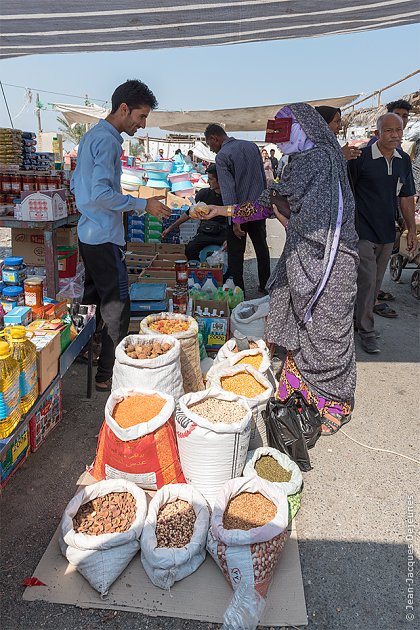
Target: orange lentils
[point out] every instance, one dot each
(137, 409)
(242, 384)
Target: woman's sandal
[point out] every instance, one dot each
(384, 310)
(331, 423)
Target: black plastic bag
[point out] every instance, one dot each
(293, 427)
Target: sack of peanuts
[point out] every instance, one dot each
(230, 349)
(212, 430)
(137, 439)
(246, 382)
(248, 530)
(151, 361)
(100, 530)
(185, 329)
(173, 543)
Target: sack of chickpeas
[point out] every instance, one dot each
(248, 530)
(246, 382)
(185, 329)
(151, 361)
(100, 530)
(212, 430)
(173, 542)
(137, 439)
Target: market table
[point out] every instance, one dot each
(50, 244)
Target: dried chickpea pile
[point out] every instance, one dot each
(147, 350)
(242, 384)
(175, 524)
(111, 514)
(215, 410)
(252, 344)
(254, 359)
(169, 326)
(248, 510)
(137, 409)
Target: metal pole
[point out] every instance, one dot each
(7, 105)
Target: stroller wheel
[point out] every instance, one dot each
(396, 266)
(415, 284)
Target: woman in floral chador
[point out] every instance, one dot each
(313, 287)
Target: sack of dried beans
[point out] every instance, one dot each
(100, 530)
(230, 349)
(137, 439)
(248, 530)
(246, 382)
(151, 361)
(212, 430)
(173, 543)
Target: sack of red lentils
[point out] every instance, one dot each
(248, 530)
(137, 440)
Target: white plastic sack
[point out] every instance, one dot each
(227, 350)
(164, 565)
(234, 359)
(101, 559)
(162, 373)
(249, 317)
(288, 487)
(211, 453)
(257, 404)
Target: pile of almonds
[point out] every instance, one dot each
(113, 513)
(175, 524)
(149, 350)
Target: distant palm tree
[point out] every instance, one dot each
(72, 133)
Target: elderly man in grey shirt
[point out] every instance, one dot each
(241, 178)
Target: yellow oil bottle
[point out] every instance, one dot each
(24, 352)
(10, 410)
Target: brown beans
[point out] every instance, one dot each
(148, 350)
(175, 524)
(216, 410)
(113, 513)
(248, 510)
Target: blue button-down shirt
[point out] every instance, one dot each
(96, 184)
(240, 171)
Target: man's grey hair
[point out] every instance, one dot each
(380, 121)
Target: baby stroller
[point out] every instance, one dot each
(404, 259)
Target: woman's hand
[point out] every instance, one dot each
(279, 216)
(215, 211)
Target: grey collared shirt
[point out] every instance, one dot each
(240, 171)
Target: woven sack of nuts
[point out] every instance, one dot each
(102, 558)
(165, 527)
(257, 403)
(212, 450)
(190, 351)
(146, 452)
(248, 556)
(161, 371)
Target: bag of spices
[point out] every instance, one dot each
(151, 361)
(137, 439)
(185, 329)
(173, 543)
(100, 530)
(248, 530)
(213, 429)
(252, 386)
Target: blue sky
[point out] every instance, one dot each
(222, 76)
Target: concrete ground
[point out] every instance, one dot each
(353, 530)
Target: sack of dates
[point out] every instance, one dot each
(100, 530)
(151, 361)
(248, 531)
(173, 543)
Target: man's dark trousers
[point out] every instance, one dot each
(257, 232)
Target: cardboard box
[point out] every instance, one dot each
(18, 316)
(170, 257)
(146, 192)
(17, 451)
(157, 275)
(30, 243)
(48, 205)
(43, 421)
(170, 248)
(173, 201)
(215, 330)
(48, 350)
(67, 236)
(141, 248)
(136, 262)
(162, 264)
(201, 273)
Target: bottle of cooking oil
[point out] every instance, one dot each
(10, 411)
(24, 352)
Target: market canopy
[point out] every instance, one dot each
(64, 26)
(240, 119)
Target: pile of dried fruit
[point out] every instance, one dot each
(113, 513)
(268, 468)
(147, 350)
(253, 359)
(216, 410)
(242, 384)
(175, 524)
(169, 326)
(248, 510)
(137, 409)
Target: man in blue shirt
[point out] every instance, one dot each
(96, 184)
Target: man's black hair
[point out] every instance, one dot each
(214, 130)
(135, 94)
(212, 170)
(401, 104)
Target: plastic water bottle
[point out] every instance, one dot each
(209, 284)
(229, 284)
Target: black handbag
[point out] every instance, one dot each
(211, 227)
(293, 427)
